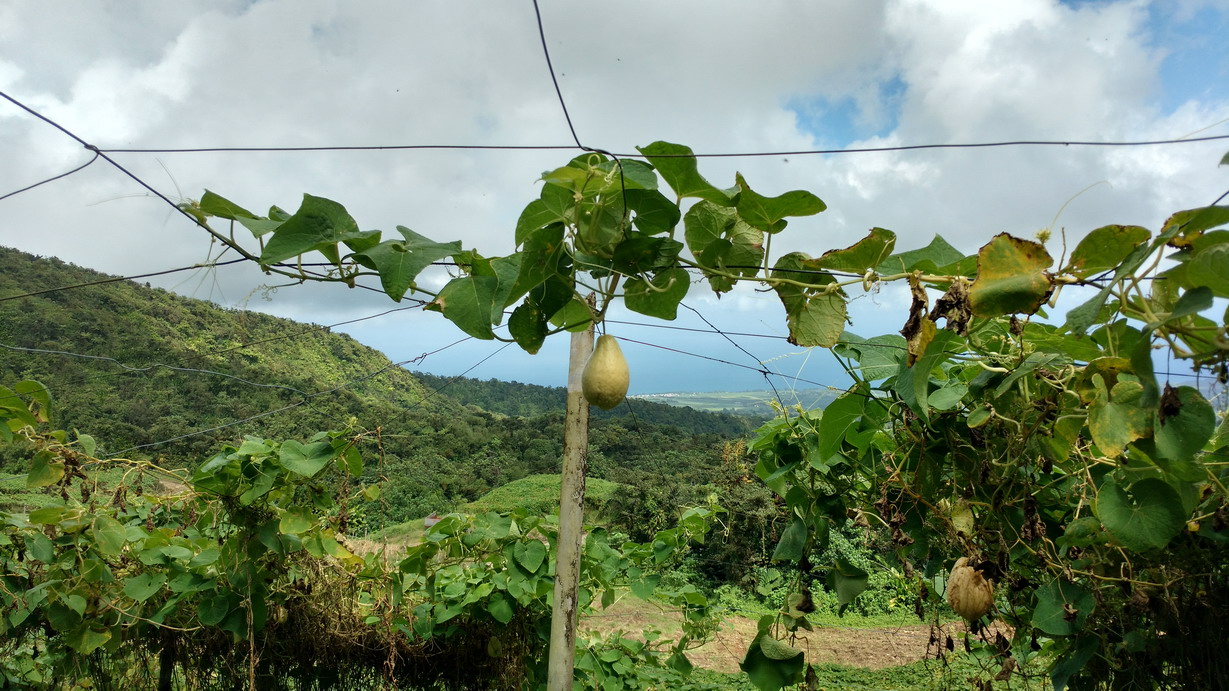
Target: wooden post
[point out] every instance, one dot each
(571, 518)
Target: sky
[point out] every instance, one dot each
(774, 75)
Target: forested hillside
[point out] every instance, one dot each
(134, 366)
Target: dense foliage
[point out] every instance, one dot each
(239, 574)
(1049, 457)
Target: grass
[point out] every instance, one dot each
(538, 494)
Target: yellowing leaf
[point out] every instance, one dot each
(1012, 277)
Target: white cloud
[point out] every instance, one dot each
(719, 76)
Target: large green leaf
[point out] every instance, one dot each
(1012, 277)
(767, 213)
(1142, 517)
(143, 586)
(928, 259)
(718, 239)
(45, 469)
(318, 225)
(1062, 607)
(817, 321)
(772, 665)
(869, 252)
(109, 535)
(847, 580)
(400, 261)
(877, 357)
(531, 555)
(654, 212)
(87, 639)
(1185, 422)
(305, 459)
(1104, 248)
(527, 326)
(1208, 268)
(913, 382)
(838, 418)
(468, 302)
(1074, 659)
(1115, 416)
(792, 545)
(677, 165)
(659, 297)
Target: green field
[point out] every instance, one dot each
(751, 403)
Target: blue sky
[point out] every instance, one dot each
(715, 76)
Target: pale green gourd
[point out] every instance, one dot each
(605, 379)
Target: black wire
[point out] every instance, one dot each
(81, 167)
(763, 368)
(108, 159)
(726, 154)
(554, 80)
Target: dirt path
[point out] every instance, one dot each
(873, 648)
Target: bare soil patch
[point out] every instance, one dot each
(869, 647)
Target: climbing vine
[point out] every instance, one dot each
(1086, 485)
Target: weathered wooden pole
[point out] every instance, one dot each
(571, 518)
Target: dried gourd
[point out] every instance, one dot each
(605, 379)
(969, 592)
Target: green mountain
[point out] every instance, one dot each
(154, 375)
(135, 366)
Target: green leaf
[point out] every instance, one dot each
(1115, 417)
(838, 418)
(543, 256)
(318, 225)
(144, 586)
(766, 213)
(1184, 422)
(1207, 268)
(818, 321)
(869, 252)
(305, 459)
(88, 445)
(1011, 277)
(468, 302)
(214, 609)
(847, 580)
(661, 300)
(109, 535)
(500, 609)
(1077, 655)
(772, 665)
(654, 212)
(531, 555)
(792, 545)
(87, 639)
(878, 357)
(677, 166)
(40, 547)
(45, 469)
(535, 216)
(913, 383)
(1062, 607)
(296, 521)
(927, 259)
(217, 205)
(718, 239)
(400, 261)
(1104, 249)
(1143, 517)
(527, 326)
